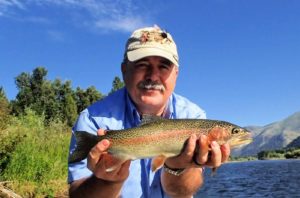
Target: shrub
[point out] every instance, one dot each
(38, 162)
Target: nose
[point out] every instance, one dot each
(152, 73)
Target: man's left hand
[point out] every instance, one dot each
(200, 151)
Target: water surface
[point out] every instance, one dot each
(262, 178)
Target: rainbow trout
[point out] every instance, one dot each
(157, 137)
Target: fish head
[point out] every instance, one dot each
(239, 136)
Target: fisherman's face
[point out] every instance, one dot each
(150, 82)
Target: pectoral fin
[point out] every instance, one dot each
(157, 162)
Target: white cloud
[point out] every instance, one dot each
(111, 14)
(102, 15)
(126, 24)
(6, 6)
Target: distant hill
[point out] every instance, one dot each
(295, 143)
(277, 135)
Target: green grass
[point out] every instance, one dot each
(36, 158)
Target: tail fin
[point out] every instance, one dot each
(84, 143)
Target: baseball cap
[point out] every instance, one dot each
(151, 41)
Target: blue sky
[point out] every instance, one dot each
(239, 59)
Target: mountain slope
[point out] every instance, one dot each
(273, 136)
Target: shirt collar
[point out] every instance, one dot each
(168, 112)
(134, 115)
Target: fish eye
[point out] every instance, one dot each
(235, 130)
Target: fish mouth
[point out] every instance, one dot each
(240, 140)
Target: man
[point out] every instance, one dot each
(150, 69)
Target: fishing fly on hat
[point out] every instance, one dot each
(151, 41)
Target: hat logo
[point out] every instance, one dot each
(154, 36)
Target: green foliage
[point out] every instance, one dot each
(270, 155)
(55, 100)
(117, 84)
(4, 110)
(15, 134)
(279, 154)
(70, 110)
(246, 158)
(293, 154)
(38, 161)
(31, 91)
(9, 138)
(86, 97)
(35, 132)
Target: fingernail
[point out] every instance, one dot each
(193, 136)
(203, 137)
(214, 144)
(101, 132)
(105, 143)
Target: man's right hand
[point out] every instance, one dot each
(97, 162)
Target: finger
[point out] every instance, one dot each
(216, 155)
(185, 158)
(190, 146)
(118, 174)
(102, 173)
(202, 155)
(124, 170)
(96, 152)
(101, 132)
(225, 150)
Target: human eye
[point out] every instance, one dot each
(141, 64)
(165, 66)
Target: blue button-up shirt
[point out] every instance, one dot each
(116, 112)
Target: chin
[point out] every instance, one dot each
(152, 100)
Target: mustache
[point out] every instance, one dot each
(148, 84)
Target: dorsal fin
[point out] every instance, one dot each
(148, 118)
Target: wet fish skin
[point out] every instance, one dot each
(159, 137)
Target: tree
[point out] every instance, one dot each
(31, 91)
(84, 98)
(4, 109)
(54, 100)
(116, 84)
(70, 109)
(41, 95)
(24, 96)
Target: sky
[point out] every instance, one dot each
(239, 59)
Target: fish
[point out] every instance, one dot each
(159, 138)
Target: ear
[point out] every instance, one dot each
(123, 68)
(176, 70)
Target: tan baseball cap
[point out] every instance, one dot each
(151, 41)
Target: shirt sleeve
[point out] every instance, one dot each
(184, 108)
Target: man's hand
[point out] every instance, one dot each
(211, 154)
(197, 153)
(201, 150)
(97, 162)
(102, 183)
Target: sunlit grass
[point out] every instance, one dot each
(37, 164)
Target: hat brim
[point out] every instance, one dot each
(140, 53)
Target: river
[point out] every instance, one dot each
(261, 178)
